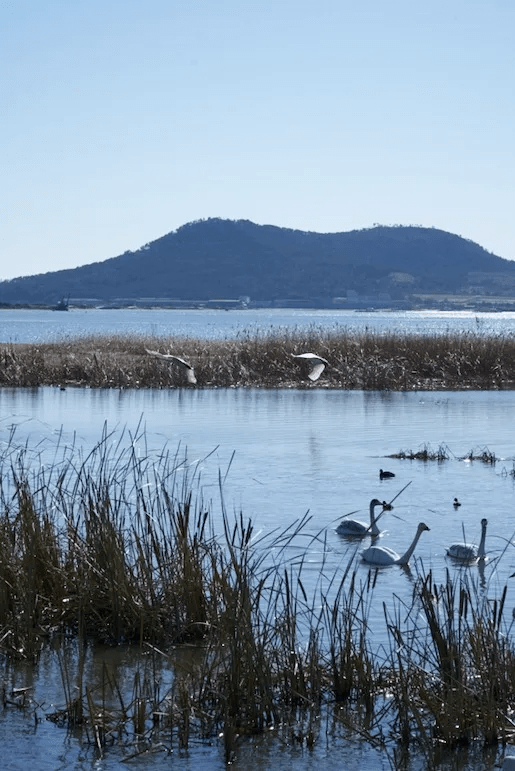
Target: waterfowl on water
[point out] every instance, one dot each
(456, 503)
(316, 364)
(469, 552)
(382, 555)
(385, 474)
(355, 528)
(185, 366)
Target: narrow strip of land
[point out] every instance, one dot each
(363, 360)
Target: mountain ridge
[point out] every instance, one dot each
(224, 258)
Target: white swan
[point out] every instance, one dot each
(315, 363)
(353, 527)
(382, 555)
(184, 365)
(469, 552)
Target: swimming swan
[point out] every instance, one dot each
(315, 363)
(354, 527)
(469, 552)
(382, 555)
(185, 366)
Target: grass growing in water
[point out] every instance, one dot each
(426, 453)
(483, 455)
(357, 360)
(442, 453)
(122, 549)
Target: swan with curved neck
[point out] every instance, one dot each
(382, 555)
(355, 528)
(469, 552)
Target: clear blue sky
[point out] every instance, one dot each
(122, 120)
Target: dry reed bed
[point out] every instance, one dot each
(122, 548)
(357, 360)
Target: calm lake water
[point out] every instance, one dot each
(287, 452)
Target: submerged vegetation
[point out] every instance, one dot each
(356, 360)
(442, 453)
(121, 548)
(425, 453)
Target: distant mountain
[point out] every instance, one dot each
(218, 258)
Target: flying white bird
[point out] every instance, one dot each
(357, 529)
(315, 363)
(469, 552)
(382, 555)
(185, 366)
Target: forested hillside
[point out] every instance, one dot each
(217, 258)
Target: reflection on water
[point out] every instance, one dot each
(295, 451)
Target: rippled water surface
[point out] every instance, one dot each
(27, 326)
(283, 453)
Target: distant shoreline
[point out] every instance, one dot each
(478, 304)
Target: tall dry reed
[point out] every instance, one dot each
(452, 676)
(356, 360)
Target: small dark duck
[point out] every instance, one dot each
(385, 474)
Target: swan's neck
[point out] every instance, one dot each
(407, 554)
(481, 547)
(373, 529)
